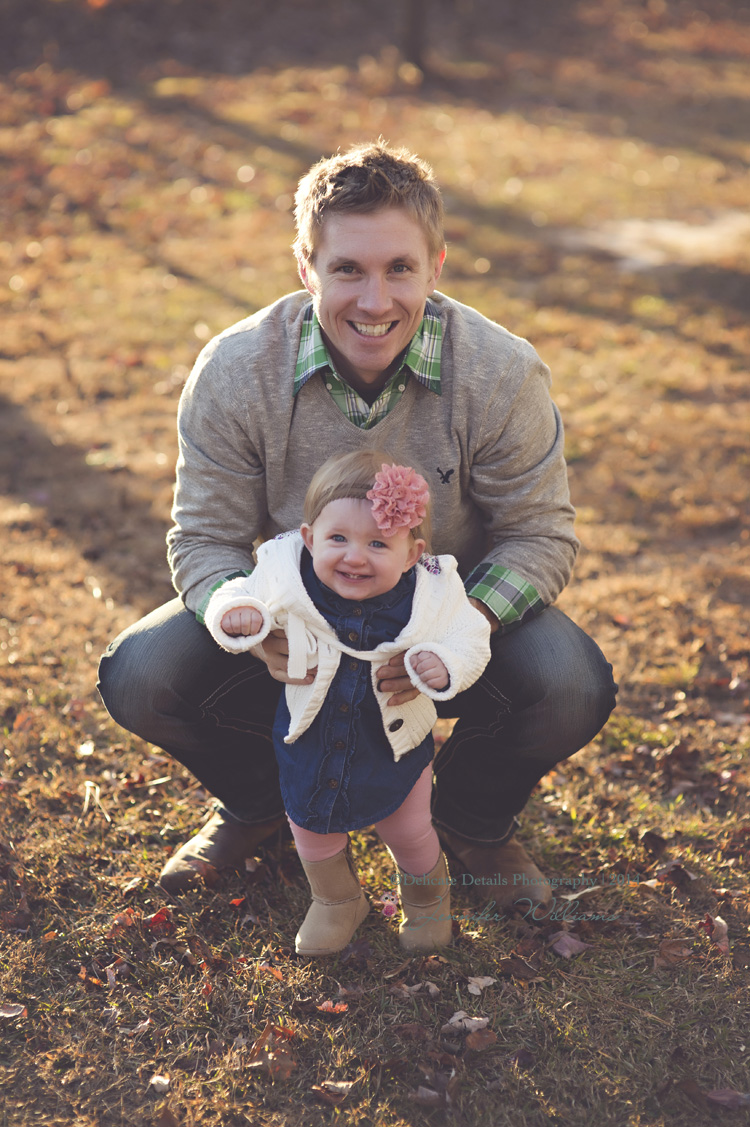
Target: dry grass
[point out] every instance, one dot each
(129, 238)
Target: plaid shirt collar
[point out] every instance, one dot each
(422, 356)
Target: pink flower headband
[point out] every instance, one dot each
(399, 498)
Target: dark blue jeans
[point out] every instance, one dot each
(545, 693)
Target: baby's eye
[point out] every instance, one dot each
(378, 544)
(338, 538)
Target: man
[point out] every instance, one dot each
(369, 354)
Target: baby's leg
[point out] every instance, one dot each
(423, 879)
(409, 833)
(339, 903)
(316, 847)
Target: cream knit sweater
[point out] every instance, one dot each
(442, 621)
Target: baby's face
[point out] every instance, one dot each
(352, 556)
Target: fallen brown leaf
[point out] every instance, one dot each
(12, 1009)
(567, 944)
(717, 931)
(166, 1118)
(332, 1009)
(160, 923)
(671, 953)
(728, 1097)
(481, 1039)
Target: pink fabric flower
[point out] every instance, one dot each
(399, 498)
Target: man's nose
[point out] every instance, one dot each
(374, 297)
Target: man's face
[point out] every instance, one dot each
(370, 278)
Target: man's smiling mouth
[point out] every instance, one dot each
(372, 330)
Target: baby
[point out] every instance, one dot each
(351, 589)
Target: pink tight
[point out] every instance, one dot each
(408, 832)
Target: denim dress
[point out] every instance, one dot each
(340, 774)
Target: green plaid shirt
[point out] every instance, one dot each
(508, 595)
(422, 358)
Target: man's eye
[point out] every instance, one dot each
(400, 268)
(347, 268)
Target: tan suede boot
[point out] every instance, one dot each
(338, 908)
(426, 907)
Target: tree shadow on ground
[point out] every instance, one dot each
(104, 513)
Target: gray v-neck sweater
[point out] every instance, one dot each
(490, 446)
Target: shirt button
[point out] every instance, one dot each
(339, 745)
(395, 725)
(343, 708)
(333, 784)
(357, 610)
(354, 665)
(352, 635)
(402, 387)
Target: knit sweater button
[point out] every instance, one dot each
(395, 725)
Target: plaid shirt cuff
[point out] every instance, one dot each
(200, 614)
(508, 595)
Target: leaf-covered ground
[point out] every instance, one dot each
(594, 158)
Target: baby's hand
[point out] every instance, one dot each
(242, 621)
(431, 670)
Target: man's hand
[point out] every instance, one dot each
(430, 669)
(274, 651)
(485, 610)
(393, 678)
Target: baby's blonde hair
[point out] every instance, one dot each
(351, 476)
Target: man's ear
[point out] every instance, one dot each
(438, 267)
(307, 536)
(304, 270)
(415, 551)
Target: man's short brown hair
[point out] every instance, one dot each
(363, 179)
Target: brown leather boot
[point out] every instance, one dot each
(505, 873)
(222, 843)
(426, 907)
(338, 908)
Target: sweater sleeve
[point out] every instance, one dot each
(460, 638)
(519, 483)
(220, 492)
(230, 596)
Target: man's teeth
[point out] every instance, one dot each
(372, 330)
